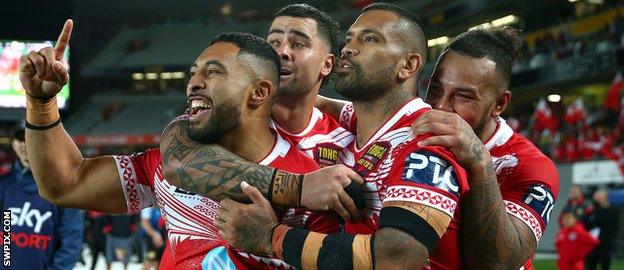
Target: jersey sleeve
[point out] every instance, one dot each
(429, 176)
(136, 173)
(530, 193)
(347, 118)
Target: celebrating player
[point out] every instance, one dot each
(118, 184)
(305, 38)
(513, 186)
(411, 192)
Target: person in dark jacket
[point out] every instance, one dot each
(604, 222)
(43, 235)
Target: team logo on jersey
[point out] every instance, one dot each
(540, 198)
(427, 168)
(371, 159)
(326, 154)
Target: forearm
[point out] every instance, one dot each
(330, 106)
(489, 239)
(392, 249)
(215, 172)
(53, 156)
(147, 227)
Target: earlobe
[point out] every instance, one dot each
(262, 92)
(501, 103)
(328, 65)
(411, 66)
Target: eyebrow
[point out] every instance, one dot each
(294, 31)
(365, 31)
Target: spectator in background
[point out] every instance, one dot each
(577, 203)
(44, 236)
(97, 239)
(120, 238)
(603, 221)
(154, 237)
(573, 243)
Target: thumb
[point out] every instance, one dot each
(253, 193)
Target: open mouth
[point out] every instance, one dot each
(198, 107)
(344, 66)
(284, 72)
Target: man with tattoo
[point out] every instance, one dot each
(304, 38)
(411, 191)
(513, 186)
(237, 65)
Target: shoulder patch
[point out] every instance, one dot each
(424, 167)
(540, 199)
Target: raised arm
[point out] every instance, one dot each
(330, 106)
(215, 172)
(491, 238)
(63, 175)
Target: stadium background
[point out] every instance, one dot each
(129, 61)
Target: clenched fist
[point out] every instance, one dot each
(41, 72)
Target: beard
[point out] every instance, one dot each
(225, 118)
(478, 129)
(359, 86)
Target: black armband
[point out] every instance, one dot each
(310, 250)
(40, 128)
(409, 223)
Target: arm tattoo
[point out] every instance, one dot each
(394, 249)
(489, 237)
(208, 170)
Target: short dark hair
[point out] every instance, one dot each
(501, 45)
(417, 29)
(327, 27)
(256, 46)
(19, 134)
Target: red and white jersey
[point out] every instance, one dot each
(528, 180)
(395, 168)
(323, 139)
(194, 239)
(529, 185)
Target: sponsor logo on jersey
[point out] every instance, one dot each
(371, 159)
(540, 198)
(424, 167)
(183, 191)
(326, 154)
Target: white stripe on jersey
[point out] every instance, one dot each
(501, 136)
(137, 196)
(526, 216)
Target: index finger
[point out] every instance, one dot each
(355, 177)
(63, 40)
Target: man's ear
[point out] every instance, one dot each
(261, 93)
(501, 103)
(328, 64)
(411, 65)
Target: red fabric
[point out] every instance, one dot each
(573, 244)
(166, 262)
(544, 118)
(612, 101)
(575, 113)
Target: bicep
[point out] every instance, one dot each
(97, 187)
(395, 249)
